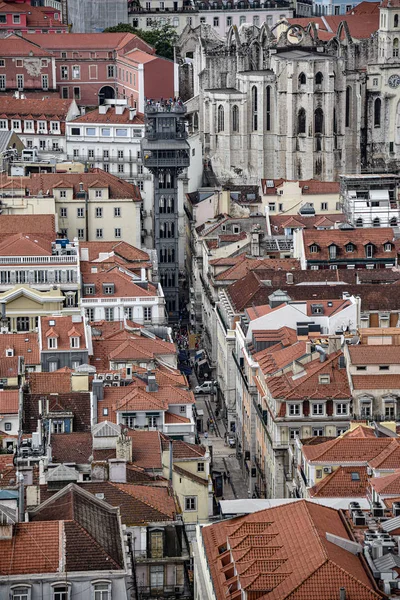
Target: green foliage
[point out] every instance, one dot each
(162, 38)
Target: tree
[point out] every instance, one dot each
(163, 38)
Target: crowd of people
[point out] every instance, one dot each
(167, 104)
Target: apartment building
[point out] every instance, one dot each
(40, 123)
(26, 67)
(25, 18)
(306, 198)
(371, 200)
(92, 206)
(64, 342)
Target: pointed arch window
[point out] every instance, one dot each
(319, 78)
(395, 47)
(396, 20)
(301, 121)
(254, 104)
(235, 118)
(377, 112)
(220, 118)
(302, 79)
(348, 105)
(268, 103)
(359, 222)
(376, 222)
(319, 121)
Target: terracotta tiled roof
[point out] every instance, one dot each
(34, 108)
(8, 367)
(123, 249)
(25, 245)
(15, 45)
(43, 225)
(271, 360)
(181, 449)
(111, 117)
(71, 447)
(362, 431)
(342, 483)
(312, 185)
(345, 450)
(9, 402)
(34, 548)
(389, 458)
(363, 354)
(359, 27)
(190, 475)
(276, 560)
(63, 329)
(49, 383)
(365, 8)
(378, 236)
(146, 449)
(88, 41)
(389, 484)
(376, 382)
(124, 285)
(175, 418)
(249, 264)
(23, 344)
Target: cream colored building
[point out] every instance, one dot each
(289, 197)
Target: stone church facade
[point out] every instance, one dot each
(285, 103)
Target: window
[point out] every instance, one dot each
(318, 409)
(319, 78)
(156, 577)
(301, 121)
(22, 323)
(268, 108)
(342, 408)
(76, 72)
(99, 212)
(359, 222)
(361, 368)
(384, 367)
(74, 342)
(99, 234)
(348, 106)
(16, 19)
(235, 118)
(190, 503)
(369, 251)
(64, 92)
(20, 82)
(387, 247)
(156, 544)
(117, 232)
(16, 125)
(318, 121)
(375, 82)
(254, 104)
(110, 71)
(318, 473)
(147, 314)
(294, 433)
(390, 413)
(317, 432)
(341, 430)
(63, 211)
(80, 213)
(76, 131)
(90, 314)
(200, 467)
(52, 343)
(3, 18)
(396, 21)
(2, 82)
(395, 48)
(117, 211)
(81, 234)
(20, 593)
(228, 21)
(90, 131)
(106, 132)
(60, 592)
(120, 168)
(7, 426)
(216, 22)
(45, 82)
(98, 193)
(332, 252)
(220, 125)
(377, 112)
(324, 206)
(121, 132)
(294, 410)
(120, 154)
(313, 249)
(109, 314)
(102, 591)
(106, 167)
(302, 79)
(77, 93)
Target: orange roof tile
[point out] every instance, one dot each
(388, 484)
(146, 448)
(342, 483)
(63, 329)
(348, 450)
(22, 344)
(94, 116)
(376, 382)
(124, 285)
(49, 383)
(378, 236)
(123, 249)
(362, 354)
(9, 402)
(15, 45)
(34, 548)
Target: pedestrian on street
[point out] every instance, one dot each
(208, 423)
(224, 476)
(206, 435)
(228, 477)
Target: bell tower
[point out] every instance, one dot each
(389, 31)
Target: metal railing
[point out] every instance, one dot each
(56, 259)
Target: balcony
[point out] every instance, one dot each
(155, 158)
(166, 135)
(31, 260)
(174, 107)
(166, 591)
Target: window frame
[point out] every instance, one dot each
(189, 499)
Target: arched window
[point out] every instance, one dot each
(359, 222)
(395, 47)
(396, 20)
(254, 104)
(319, 78)
(377, 112)
(268, 112)
(235, 118)
(302, 79)
(301, 121)
(376, 222)
(220, 118)
(319, 121)
(348, 103)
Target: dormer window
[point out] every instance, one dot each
(9, 352)
(350, 247)
(16, 19)
(332, 251)
(108, 289)
(369, 250)
(324, 379)
(387, 247)
(89, 289)
(313, 248)
(74, 342)
(52, 343)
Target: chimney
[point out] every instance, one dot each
(117, 469)
(342, 593)
(98, 389)
(152, 385)
(123, 449)
(132, 113)
(289, 278)
(103, 108)
(322, 353)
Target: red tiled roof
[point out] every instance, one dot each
(34, 548)
(63, 329)
(32, 107)
(43, 225)
(365, 8)
(9, 402)
(359, 27)
(94, 116)
(146, 448)
(275, 559)
(49, 383)
(181, 449)
(241, 268)
(348, 450)
(15, 45)
(389, 458)
(378, 236)
(376, 382)
(309, 186)
(275, 358)
(122, 249)
(23, 344)
(362, 354)
(174, 418)
(124, 285)
(388, 484)
(71, 447)
(88, 41)
(342, 484)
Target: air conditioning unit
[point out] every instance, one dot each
(115, 384)
(117, 376)
(396, 509)
(359, 518)
(327, 469)
(377, 510)
(109, 377)
(107, 385)
(101, 376)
